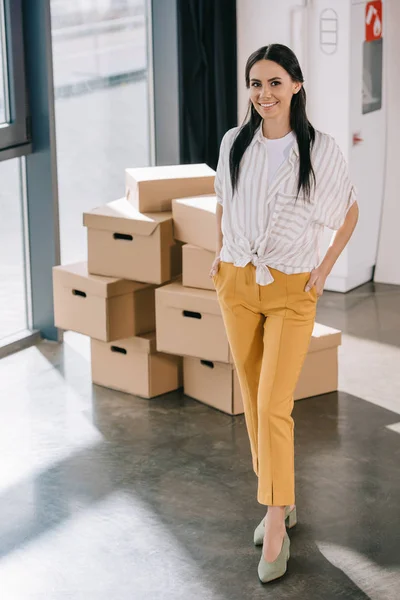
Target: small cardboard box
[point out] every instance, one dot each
(319, 374)
(189, 323)
(151, 189)
(213, 383)
(196, 266)
(123, 242)
(195, 221)
(134, 366)
(104, 308)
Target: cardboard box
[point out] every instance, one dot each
(123, 242)
(195, 221)
(320, 370)
(151, 189)
(196, 265)
(213, 383)
(217, 385)
(134, 366)
(189, 323)
(104, 308)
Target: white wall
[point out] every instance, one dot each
(388, 261)
(259, 23)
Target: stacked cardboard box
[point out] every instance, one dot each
(188, 318)
(111, 298)
(146, 323)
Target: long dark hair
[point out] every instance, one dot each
(304, 131)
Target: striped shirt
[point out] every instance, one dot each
(264, 224)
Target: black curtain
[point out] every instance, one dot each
(207, 77)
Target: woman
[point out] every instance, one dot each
(278, 183)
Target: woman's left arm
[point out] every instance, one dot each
(339, 242)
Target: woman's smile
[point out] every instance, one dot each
(267, 106)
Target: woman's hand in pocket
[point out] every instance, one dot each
(215, 267)
(317, 278)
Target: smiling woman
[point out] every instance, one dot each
(278, 183)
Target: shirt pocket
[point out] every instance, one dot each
(291, 218)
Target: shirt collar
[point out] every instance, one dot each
(258, 137)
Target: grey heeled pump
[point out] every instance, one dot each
(290, 521)
(268, 571)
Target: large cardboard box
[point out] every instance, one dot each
(213, 383)
(217, 385)
(104, 308)
(122, 242)
(195, 221)
(134, 366)
(151, 189)
(196, 266)
(189, 323)
(320, 370)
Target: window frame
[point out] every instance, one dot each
(15, 135)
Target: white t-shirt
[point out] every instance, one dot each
(278, 151)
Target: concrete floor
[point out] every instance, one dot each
(107, 496)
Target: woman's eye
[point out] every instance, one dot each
(255, 84)
(275, 83)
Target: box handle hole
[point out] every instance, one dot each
(79, 293)
(207, 363)
(118, 349)
(123, 236)
(191, 314)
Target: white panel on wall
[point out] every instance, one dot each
(388, 262)
(259, 23)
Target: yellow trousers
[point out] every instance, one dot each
(269, 330)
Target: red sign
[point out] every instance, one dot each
(373, 21)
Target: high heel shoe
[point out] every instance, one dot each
(290, 521)
(268, 571)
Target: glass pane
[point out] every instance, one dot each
(12, 271)
(2, 70)
(100, 76)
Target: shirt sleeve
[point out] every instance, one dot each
(337, 192)
(220, 173)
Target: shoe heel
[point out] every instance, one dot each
(291, 519)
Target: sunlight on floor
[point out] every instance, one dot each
(376, 581)
(370, 370)
(87, 543)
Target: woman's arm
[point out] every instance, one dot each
(340, 239)
(338, 244)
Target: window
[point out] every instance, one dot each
(102, 109)
(14, 127)
(3, 90)
(13, 315)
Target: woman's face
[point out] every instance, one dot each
(271, 89)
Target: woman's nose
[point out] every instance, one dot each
(265, 93)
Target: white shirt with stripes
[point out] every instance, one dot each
(262, 222)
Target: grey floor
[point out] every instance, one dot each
(107, 496)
